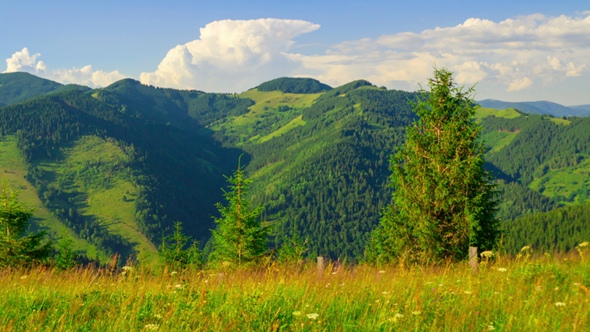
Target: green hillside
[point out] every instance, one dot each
(13, 168)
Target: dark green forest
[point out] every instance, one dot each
(319, 168)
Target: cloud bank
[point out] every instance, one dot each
(26, 62)
(514, 53)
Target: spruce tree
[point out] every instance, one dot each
(443, 199)
(17, 248)
(239, 239)
(176, 252)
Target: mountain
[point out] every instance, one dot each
(16, 87)
(537, 107)
(114, 168)
(294, 85)
(583, 108)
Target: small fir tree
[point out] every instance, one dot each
(175, 252)
(443, 199)
(65, 258)
(239, 239)
(17, 248)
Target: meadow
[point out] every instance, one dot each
(546, 293)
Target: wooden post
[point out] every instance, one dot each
(321, 266)
(473, 260)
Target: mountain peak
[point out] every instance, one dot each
(294, 85)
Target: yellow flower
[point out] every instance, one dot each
(559, 304)
(583, 244)
(296, 313)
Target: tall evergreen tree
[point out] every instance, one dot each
(239, 239)
(443, 199)
(16, 247)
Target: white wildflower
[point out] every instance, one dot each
(313, 316)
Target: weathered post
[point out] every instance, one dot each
(473, 260)
(321, 266)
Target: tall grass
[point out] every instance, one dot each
(543, 294)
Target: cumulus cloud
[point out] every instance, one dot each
(25, 61)
(231, 55)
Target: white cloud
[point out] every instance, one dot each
(231, 55)
(24, 61)
(514, 54)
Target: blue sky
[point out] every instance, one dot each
(514, 50)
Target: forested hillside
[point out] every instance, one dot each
(119, 165)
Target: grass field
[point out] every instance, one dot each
(543, 294)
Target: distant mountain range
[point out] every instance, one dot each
(538, 107)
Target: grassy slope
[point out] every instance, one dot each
(546, 294)
(569, 184)
(267, 104)
(13, 169)
(92, 198)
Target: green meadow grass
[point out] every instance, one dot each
(542, 294)
(484, 112)
(298, 121)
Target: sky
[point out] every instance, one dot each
(510, 50)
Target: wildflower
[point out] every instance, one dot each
(313, 316)
(152, 327)
(127, 268)
(297, 313)
(487, 254)
(157, 316)
(467, 292)
(385, 293)
(24, 277)
(381, 271)
(559, 304)
(491, 328)
(583, 244)
(178, 286)
(395, 318)
(556, 289)
(502, 269)
(416, 313)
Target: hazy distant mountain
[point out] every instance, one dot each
(538, 107)
(583, 108)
